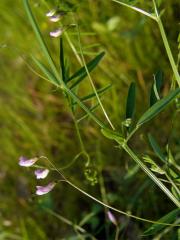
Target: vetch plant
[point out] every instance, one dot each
(41, 190)
(69, 84)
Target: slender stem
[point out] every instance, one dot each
(65, 220)
(132, 133)
(173, 184)
(73, 48)
(83, 149)
(115, 209)
(165, 231)
(89, 112)
(166, 45)
(117, 233)
(157, 18)
(102, 187)
(79, 134)
(72, 95)
(136, 9)
(64, 179)
(92, 109)
(70, 223)
(169, 53)
(91, 81)
(151, 175)
(166, 181)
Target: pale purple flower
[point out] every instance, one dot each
(25, 162)
(111, 217)
(55, 18)
(58, 32)
(51, 13)
(41, 173)
(41, 190)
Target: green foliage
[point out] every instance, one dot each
(62, 63)
(35, 119)
(156, 148)
(82, 73)
(156, 87)
(168, 218)
(153, 166)
(112, 135)
(158, 107)
(100, 91)
(130, 104)
(50, 77)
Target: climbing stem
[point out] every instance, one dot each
(150, 174)
(166, 45)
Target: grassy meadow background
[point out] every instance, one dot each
(35, 120)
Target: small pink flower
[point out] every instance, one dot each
(41, 190)
(51, 13)
(56, 33)
(24, 162)
(41, 173)
(111, 218)
(55, 18)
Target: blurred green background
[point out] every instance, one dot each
(35, 120)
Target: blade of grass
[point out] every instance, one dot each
(40, 37)
(73, 48)
(168, 218)
(91, 81)
(157, 18)
(166, 44)
(79, 102)
(65, 220)
(92, 109)
(46, 71)
(136, 9)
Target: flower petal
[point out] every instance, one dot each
(55, 18)
(111, 218)
(56, 33)
(41, 190)
(41, 173)
(51, 13)
(25, 162)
